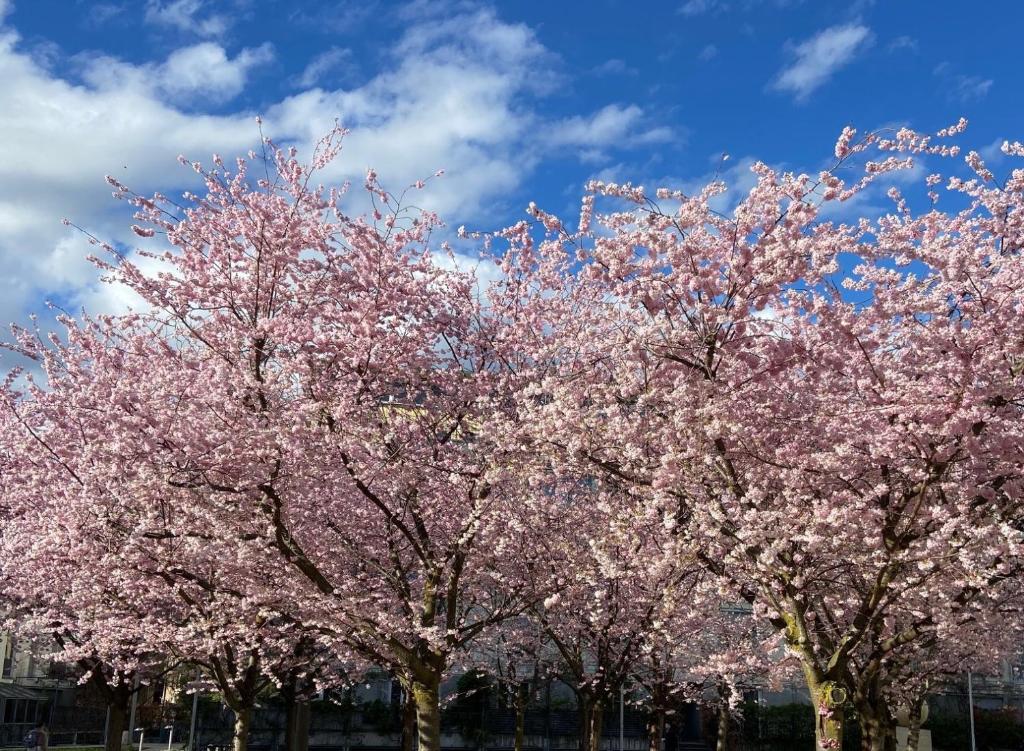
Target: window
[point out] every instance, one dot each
(8, 657)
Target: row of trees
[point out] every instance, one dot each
(317, 445)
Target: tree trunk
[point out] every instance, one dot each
(117, 722)
(828, 717)
(722, 744)
(243, 718)
(876, 736)
(520, 707)
(591, 719)
(297, 725)
(408, 720)
(914, 734)
(914, 731)
(427, 695)
(877, 730)
(655, 729)
(596, 726)
(288, 693)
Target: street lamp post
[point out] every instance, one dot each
(135, 704)
(970, 708)
(192, 722)
(622, 715)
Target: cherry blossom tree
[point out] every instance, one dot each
(709, 652)
(521, 662)
(161, 591)
(314, 427)
(621, 577)
(49, 604)
(294, 407)
(830, 410)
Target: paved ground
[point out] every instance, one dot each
(146, 746)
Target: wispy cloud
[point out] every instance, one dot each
(325, 20)
(817, 59)
(902, 43)
(610, 126)
(970, 88)
(323, 65)
(702, 7)
(101, 13)
(697, 7)
(614, 67)
(962, 88)
(186, 16)
(708, 52)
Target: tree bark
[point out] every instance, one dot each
(591, 720)
(656, 729)
(596, 726)
(877, 736)
(722, 744)
(520, 707)
(117, 722)
(914, 731)
(243, 718)
(117, 695)
(877, 727)
(408, 711)
(289, 691)
(913, 735)
(297, 725)
(427, 694)
(828, 719)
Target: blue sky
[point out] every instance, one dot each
(517, 101)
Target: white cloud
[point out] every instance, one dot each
(970, 88)
(697, 7)
(961, 88)
(202, 69)
(322, 65)
(614, 67)
(708, 52)
(456, 92)
(325, 17)
(512, 48)
(184, 15)
(205, 68)
(607, 127)
(709, 7)
(902, 43)
(100, 13)
(6, 6)
(59, 141)
(818, 58)
(993, 153)
(966, 89)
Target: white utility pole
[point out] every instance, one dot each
(622, 715)
(970, 708)
(195, 706)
